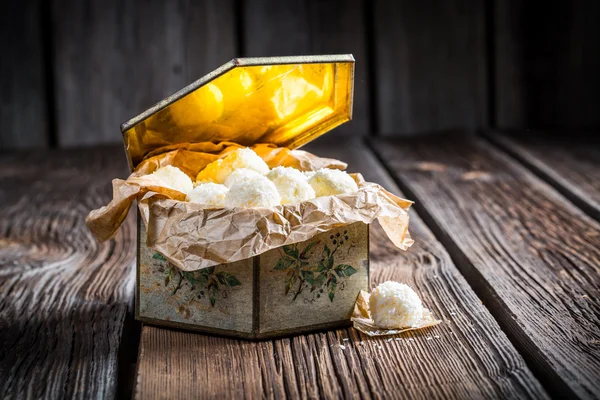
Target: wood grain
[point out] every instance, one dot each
(569, 162)
(116, 58)
(467, 356)
(532, 257)
(23, 118)
(277, 28)
(546, 63)
(430, 66)
(64, 298)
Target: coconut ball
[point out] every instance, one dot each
(257, 192)
(174, 178)
(395, 305)
(219, 170)
(279, 172)
(208, 174)
(241, 175)
(209, 195)
(291, 184)
(327, 182)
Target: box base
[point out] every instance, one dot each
(247, 336)
(304, 287)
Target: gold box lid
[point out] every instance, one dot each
(285, 101)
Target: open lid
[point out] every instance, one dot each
(286, 101)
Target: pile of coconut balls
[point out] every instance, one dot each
(242, 179)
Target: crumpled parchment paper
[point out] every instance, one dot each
(193, 238)
(362, 321)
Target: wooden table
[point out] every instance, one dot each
(507, 254)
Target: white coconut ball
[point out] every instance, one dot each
(218, 171)
(241, 175)
(257, 192)
(395, 305)
(291, 184)
(209, 195)
(328, 182)
(279, 172)
(174, 178)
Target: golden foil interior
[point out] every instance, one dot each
(284, 101)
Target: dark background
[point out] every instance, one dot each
(72, 71)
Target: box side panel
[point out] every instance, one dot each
(219, 297)
(314, 282)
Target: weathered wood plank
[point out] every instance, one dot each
(430, 66)
(569, 162)
(276, 28)
(63, 296)
(116, 58)
(467, 356)
(531, 256)
(23, 119)
(546, 63)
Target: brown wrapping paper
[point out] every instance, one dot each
(193, 238)
(362, 321)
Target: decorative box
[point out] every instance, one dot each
(306, 286)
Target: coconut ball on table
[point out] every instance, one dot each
(174, 178)
(257, 192)
(328, 182)
(209, 195)
(218, 171)
(395, 305)
(291, 184)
